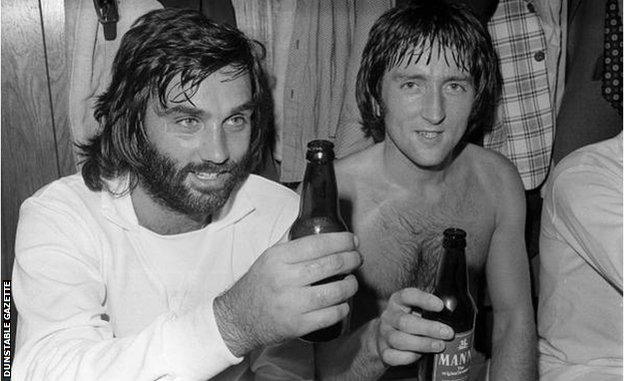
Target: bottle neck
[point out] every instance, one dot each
(319, 196)
(452, 287)
(452, 275)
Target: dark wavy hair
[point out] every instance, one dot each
(161, 46)
(409, 31)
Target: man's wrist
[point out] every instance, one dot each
(372, 341)
(370, 364)
(237, 341)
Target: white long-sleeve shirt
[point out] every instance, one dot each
(580, 300)
(97, 300)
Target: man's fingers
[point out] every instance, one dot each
(413, 343)
(394, 357)
(416, 325)
(318, 269)
(329, 294)
(315, 320)
(319, 245)
(413, 297)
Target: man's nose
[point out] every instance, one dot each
(213, 145)
(433, 108)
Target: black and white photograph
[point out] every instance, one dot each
(332, 190)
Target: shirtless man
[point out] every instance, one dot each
(429, 78)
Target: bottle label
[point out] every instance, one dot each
(454, 363)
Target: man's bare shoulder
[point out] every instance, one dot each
(358, 167)
(491, 167)
(499, 181)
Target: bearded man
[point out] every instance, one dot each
(165, 258)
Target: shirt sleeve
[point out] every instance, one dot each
(63, 332)
(588, 207)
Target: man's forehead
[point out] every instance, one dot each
(189, 84)
(432, 56)
(433, 69)
(226, 81)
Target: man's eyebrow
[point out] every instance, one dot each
(180, 109)
(249, 105)
(459, 78)
(450, 78)
(193, 111)
(405, 76)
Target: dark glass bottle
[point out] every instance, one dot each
(319, 213)
(459, 313)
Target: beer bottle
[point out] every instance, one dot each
(318, 213)
(459, 312)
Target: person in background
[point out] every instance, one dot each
(429, 79)
(591, 109)
(580, 298)
(313, 50)
(529, 38)
(165, 258)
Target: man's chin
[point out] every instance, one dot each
(201, 205)
(209, 199)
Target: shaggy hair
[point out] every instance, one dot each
(161, 46)
(413, 32)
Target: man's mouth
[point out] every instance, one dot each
(429, 134)
(207, 175)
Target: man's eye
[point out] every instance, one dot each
(409, 85)
(189, 125)
(237, 121)
(456, 87)
(188, 122)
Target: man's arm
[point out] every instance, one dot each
(352, 357)
(275, 299)
(60, 293)
(397, 337)
(507, 272)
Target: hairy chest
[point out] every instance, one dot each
(400, 236)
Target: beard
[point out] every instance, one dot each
(165, 182)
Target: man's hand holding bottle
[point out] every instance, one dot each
(275, 300)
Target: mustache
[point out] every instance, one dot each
(228, 166)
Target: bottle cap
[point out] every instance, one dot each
(320, 150)
(454, 237)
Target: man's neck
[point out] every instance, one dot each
(158, 218)
(400, 170)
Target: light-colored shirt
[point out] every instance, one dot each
(91, 57)
(319, 89)
(94, 300)
(271, 23)
(580, 298)
(314, 50)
